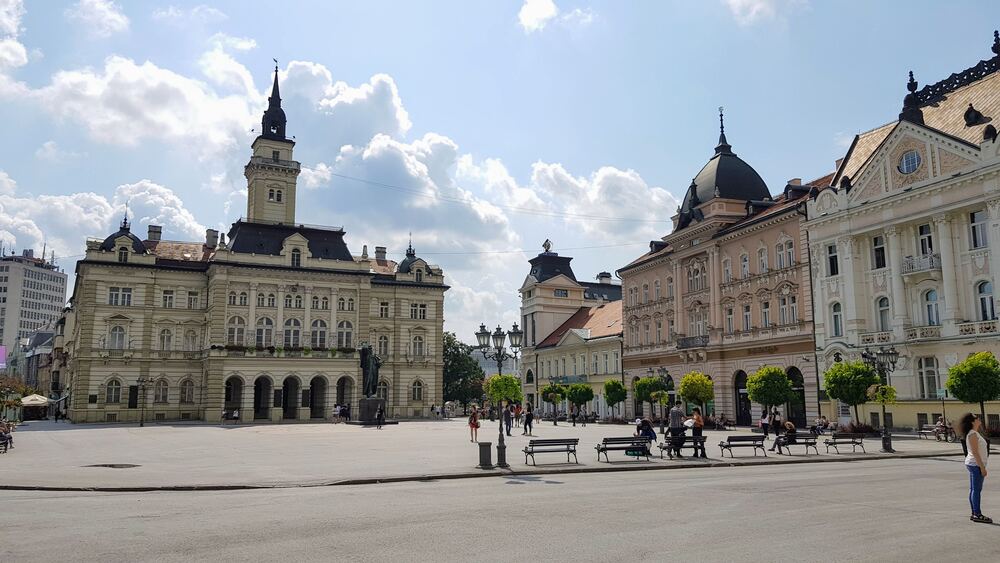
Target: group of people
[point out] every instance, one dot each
(513, 415)
(6, 434)
(678, 425)
(341, 413)
(822, 424)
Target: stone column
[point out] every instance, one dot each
(279, 322)
(714, 282)
(249, 337)
(900, 317)
(307, 322)
(993, 207)
(246, 405)
(849, 262)
(946, 247)
(678, 302)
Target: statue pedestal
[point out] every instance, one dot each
(367, 407)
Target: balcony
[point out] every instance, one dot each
(872, 338)
(918, 264)
(686, 342)
(923, 332)
(264, 161)
(977, 328)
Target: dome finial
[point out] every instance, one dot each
(996, 42)
(723, 147)
(409, 248)
(125, 218)
(911, 103)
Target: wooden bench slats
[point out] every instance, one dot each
(693, 442)
(622, 443)
(845, 439)
(755, 442)
(551, 445)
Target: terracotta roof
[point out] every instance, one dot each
(781, 205)
(383, 266)
(593, 322)
(181, 251)
(862, 149)
(822, 181)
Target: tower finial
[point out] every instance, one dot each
(125, 218)
(722, 123)
(996, 42)
(409, 247)
(723, 147)
(911, 103)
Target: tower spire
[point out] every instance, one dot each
(273, 122)
(274, 100)
(409, 247)
(723, 147)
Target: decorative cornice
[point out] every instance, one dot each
(936, 91)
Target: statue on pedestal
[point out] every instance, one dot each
(370, 363)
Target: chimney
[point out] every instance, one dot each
(795, 182)
(604, 277)
(364, 252)
(839, 162)
(28, 253)
(211, 238)
(154, 232)
(380, 253)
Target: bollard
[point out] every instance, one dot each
(502, 456)
(485, 455)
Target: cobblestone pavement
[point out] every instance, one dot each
(197, 455)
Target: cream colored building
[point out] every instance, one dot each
(725, 293)
(906, 245)
(572, 329)
(266, 322)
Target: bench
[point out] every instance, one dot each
(845, 439)
(755, 442)
(931, 430)
(627, 443)
(807, 440)
(552, 445)
(693, 442)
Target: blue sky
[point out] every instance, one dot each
(478, 110)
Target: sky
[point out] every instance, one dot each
(481, 127)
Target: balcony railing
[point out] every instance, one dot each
(981, 327)
(880, 337)
(263, 160)
(921, 332)
(925, 263)
(700, 341)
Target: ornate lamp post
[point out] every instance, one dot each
(141, 382)
(663, 374)
(499, 353)
(883, 362)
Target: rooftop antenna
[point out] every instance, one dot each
(45, 248)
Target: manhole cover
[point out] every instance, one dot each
(114, 465)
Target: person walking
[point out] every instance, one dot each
(379, 418)
(975, 462)
(474, 425)
(696, 430)
(508, 418)
(676, 428)
(765, 422)
(517, 415)
(529, 418)
(776, 421)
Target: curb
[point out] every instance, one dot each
(607, 468)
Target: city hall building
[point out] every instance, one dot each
(265, 319)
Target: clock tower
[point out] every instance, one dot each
(271, 172)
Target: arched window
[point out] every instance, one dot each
(265, 332)
(187, 391)
(656, 290)
(232, 298)
(260, 299)
(931, 308)
(837, 319)
(298, 301)
(160, 391)
(418, 346)
(315, 302)
(987, 311)
(296, 258)
(382, 390)
(277, 196)
(779, 256)
(325, 304)
(293, 333)
(882, 305)
(670, 287)
(350, 304)
(166, 339)
(271, 301)
(117, 341)
(243, 298)
(288, 301)
(319, 334)
(113, 392)
(123, 254)
(190, 341)
(345, 333)
(761, 260)
(417, 391)
(236, 331)
(341, 304)
(270, 195)
(765, 314)
(383, 346)
(727, 270)
(789, 253)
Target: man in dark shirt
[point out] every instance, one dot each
(676, 419)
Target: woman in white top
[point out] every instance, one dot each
(975, 462)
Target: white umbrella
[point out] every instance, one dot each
(34, 401)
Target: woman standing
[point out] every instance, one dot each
(529, 417)
(975, 462)
(379, 418)
(765, 422)
(696, 430)
(474, 425)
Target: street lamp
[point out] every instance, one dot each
(663, 374)
(500, 354)
(141, 382)
(883, 362)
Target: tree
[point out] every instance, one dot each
(696, 387)
(662, 398)
(975, 380)
(501, 388)
(463, 378)
(553, 393)
(848, 382)
(645, 387)
(769, 386)
(615, 393)
(580, 394)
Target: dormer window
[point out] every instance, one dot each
(296, 258)
(123, 255)
(420, 275)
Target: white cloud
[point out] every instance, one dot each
(578, 17)
(151, 203)
(535, 14)
(50, 152)
(222, 41)
(100, 18)
(11, 12)
(749, 12)
(197, 14)
(316, 176)
(12, 52)
(7, 184)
